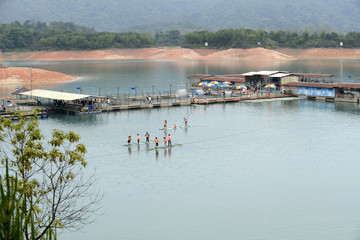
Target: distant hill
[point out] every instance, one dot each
(145, 15)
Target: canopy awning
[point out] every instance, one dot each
(55, 95)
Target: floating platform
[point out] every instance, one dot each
(11, 115)
(273, 99)
(121, 104)
(164, 147)
(137, 144)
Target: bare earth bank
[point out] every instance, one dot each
(185, 54)
(29, 77)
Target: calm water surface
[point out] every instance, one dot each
(272, 170)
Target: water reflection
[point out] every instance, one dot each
(85, 119)
(143, 150)
(186, 130)
(318, 105)
(157, 155)
(290, 105)
(169, 153)
(348, 108)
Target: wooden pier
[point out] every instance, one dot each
(70, 103)
(136, 103)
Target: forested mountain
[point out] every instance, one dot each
(120, 15)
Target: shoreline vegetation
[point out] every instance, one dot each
(60, 36)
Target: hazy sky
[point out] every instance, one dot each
(117, 15)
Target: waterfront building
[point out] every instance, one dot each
(340, 92)
(260, 79)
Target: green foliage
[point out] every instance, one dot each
(15, 221)
(12, 215)
(169, 38)
(52, 26)
(66, 36)
(50, 176)
(247, 38)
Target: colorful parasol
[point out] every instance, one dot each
(270, 86)
(241, 87)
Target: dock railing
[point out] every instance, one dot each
(128, 100)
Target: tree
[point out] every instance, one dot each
(168, 38)
(51, 173)
(304, 38)
(12, 217)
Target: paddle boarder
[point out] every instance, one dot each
(165, 141)
(129, 140)
(156, 142)
(147, 135)
(186, 121)
(138, 138)
(169, 140)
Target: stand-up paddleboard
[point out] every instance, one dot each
(164, 147)
(165, 129)
(171, 128)
(136, 144)
(131, 144)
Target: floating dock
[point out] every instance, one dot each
(70, 103)
(172, 102)
(11, 114)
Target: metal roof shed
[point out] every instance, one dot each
(248, 74)
(280, 75)
(267, 73)
(199, 76)
(21, 90)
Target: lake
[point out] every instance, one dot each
(272, 170)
